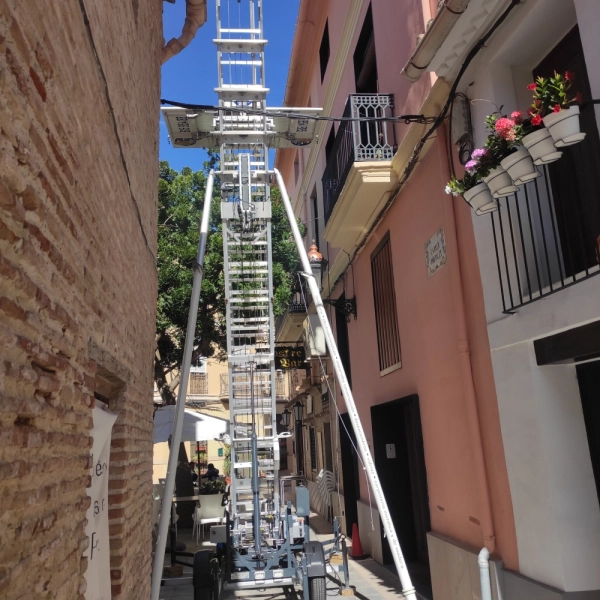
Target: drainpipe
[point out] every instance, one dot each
(484, 574)
(487, 525)
(195, 17)
(439, 28)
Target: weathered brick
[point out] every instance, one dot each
(69, 232)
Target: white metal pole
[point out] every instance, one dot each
(165, 513)
(407, 587)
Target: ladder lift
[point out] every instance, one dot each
(265, 541)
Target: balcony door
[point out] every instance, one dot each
(575, 178)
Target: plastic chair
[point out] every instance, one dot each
(209, 511)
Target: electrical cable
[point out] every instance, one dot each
(406, 119)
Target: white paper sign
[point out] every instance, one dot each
(435, 252)
(98, 552)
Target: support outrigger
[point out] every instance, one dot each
(266, 539)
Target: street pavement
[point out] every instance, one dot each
(369, 579)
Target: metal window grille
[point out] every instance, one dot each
(313, 449)
(357, 141)
(544, 241)
(386, 319)
(199, 383)
(280, 383)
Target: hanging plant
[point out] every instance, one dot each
(557, 107)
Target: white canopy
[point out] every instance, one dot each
(196, 426)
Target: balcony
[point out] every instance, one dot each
(545, 236)
(358, 142)
(288, 327)
(359, 168)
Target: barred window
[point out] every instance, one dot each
(386, 318)
(198, 383)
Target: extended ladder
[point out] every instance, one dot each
(267, 542)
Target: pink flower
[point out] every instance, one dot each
(531, 86)
(471, 166)
(517, 117)
(557, 108)
(536, 120)
(478, 153)
(505, 128)
(569, 76)
(578, 98)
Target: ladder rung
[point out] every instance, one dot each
(250, 31)
(249, 46)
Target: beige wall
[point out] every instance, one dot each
(79, 90)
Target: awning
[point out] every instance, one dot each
(196, 426)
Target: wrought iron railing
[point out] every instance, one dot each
(357, 141)
(199, 384)
(546, 238)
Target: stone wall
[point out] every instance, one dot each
(79, 91)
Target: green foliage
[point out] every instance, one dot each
(181, 198)
(213, 487)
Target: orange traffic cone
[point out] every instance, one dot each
(356, 551)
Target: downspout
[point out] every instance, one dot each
(439, 28)
(464, 353)
(195, 17)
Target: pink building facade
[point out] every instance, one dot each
(401, 253)
(471, 341)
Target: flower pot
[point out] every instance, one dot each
(540, 145)
(500, 183)
(564, 127)
(520, 166)
(480, 199)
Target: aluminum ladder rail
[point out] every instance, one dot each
(247, 268)
(167, 500)
(369, 465)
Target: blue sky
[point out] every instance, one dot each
(191, 75)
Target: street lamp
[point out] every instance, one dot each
(317, 264)
(298, 411)
(285, 418)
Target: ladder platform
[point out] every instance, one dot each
(253, 46)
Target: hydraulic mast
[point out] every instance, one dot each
(267, 541)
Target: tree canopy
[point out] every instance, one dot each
(180, 203)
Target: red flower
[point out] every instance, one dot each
(569, 76)
(557, 108)
(531, 86)
(536, 120)
(517, 117)
(578, 98)
(530, 111)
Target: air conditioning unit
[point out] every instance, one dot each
(314, 338)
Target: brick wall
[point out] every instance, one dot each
(79, 90)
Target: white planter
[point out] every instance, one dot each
(500, 183)
(564, 127)
(480, 199)
(540, 145)
(520, 166)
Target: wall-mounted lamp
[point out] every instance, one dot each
(285, 418)
(317, 264)
(298, 408)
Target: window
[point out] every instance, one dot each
(315, 216)
(313, 449)
(198, 383)
(386, 318)
(365, 60)
(324, 51)
(343, 343)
